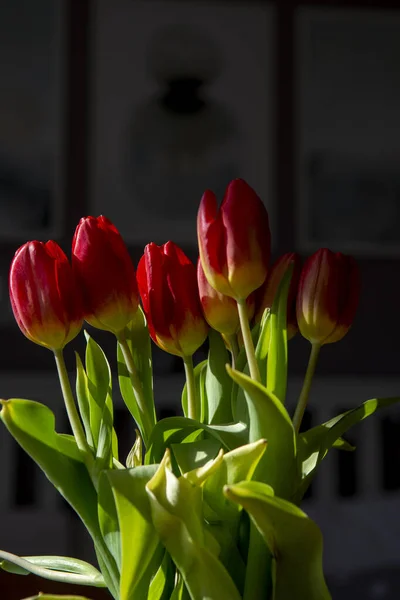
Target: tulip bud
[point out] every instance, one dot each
(44, 296)
(220, 311)
(234, 241)
(170, 296)
(105, 273)
(328, 296)
(265, 295)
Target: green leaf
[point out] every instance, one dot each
(135, 456)
(199, 381)
(263, 343)
(162, 584)
(33, 426)
(314, 444)
(237, 465)
(218, 383)
(53, 597)
(270, 420)
(176, 508)
(179, 429)
(55, 568)
(342, 444)
(293, 539)
(180, 591)
(139, 540)
(277, 360)
(138, 339)
(194, 455)
(229, 555)
(108, 519)
(98, 384)
(82, 394)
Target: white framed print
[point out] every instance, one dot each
(32, 59)
(348, 123)
(182, 101)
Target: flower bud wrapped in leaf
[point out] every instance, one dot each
(220, 311)
(44, 296)
(105, 273)
(234, 240)
(265, 295)
(170, 296)
(328, 296)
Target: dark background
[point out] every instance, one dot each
(371, 347)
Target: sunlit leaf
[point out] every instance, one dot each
(82, 394)
(270, 420)
(195, 454)
(293, 539)
(139, 540)
(277, 359)
(314, 444)
(162, 584)
(54, 568)
(173, 430)
(176, 508)
(33, 426)
(108, 519)
(218, 383)
(135, 456)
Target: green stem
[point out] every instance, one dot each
(137, 386)
(191, 387)
(234, 347)
(305, 390)
(258, 582)
(73, 416)
(248, 341)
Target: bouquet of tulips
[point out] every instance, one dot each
(206, 505)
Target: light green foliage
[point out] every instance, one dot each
(277, 357)
(53, 597)
(176, 507)
(293, 539)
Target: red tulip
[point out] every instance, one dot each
(234, 241)
(220, 311)
(105, 273)
(328, 296)
(265, 295)
(170, 296)
(44, 296)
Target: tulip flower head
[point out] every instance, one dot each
(220, 311)
(44, 296)
(170, 296)
(328, 296)
(105, 273)
(265, 295)
(234, 240)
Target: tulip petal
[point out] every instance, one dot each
(105, 273)
(44, 297)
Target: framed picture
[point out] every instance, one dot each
(348, 154)
(31, 74)
(182, 102)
